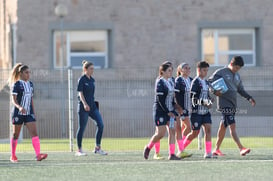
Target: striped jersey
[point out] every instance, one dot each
(199, 93)
(182, 93)
(24, 92)
(164, 95)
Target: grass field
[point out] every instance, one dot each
(125, 162)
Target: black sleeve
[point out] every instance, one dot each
(179, 92)
(161, 95)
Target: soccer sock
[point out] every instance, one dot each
(180, 145)
(157, 147)
(186, 142)
(151, 144)
(13, 144)
(36, 144)
(171, 149)
(208, 147)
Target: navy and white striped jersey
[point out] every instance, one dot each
(24, 92)
(199, 93)
(164, 95)
(182, 93)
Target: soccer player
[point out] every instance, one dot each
(23, 110)
(157, 155)
(227, 102)
(201, 102)
(182, 96)
(88, 108)
(163, 111)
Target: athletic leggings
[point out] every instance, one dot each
(83, 119)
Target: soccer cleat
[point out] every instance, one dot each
(218, 153)
(209, 156)
(99, 151)
(41, 156)
(244, 151)
(80, 153)
(157, 156)
(183, 154)
(146, 152)
(173, 157)
(13, 159)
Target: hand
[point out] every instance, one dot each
(171, 114)
(218, 93)
(22, 110)
(252, 102)
(86, 107)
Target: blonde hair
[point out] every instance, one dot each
(85, 65)
(15, 73)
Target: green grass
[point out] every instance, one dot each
(125, 162)
(130, 144)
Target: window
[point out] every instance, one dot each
(220, 45)
(81, 45)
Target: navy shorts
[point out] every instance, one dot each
(161, 119)
(198, 120)
(20, 119)
(184, 114)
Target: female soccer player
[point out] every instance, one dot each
(182, 96)
(87, 107)
(23, 111)
(201, 102)
(163, 111)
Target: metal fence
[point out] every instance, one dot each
(126, 98)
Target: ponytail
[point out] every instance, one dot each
(15, 73)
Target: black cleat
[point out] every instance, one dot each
(173, 157)
(146, 152)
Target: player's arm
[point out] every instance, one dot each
(244, 94)
(82, 98)
(17, 105)
(161, 97)
(179, 92)
(195, 92)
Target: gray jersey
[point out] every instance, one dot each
(234, 84)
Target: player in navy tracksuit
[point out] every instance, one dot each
(88, 108)
(201, 102)
(163, 110)
(23, 113)
(182, 97)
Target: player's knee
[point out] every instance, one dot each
(15, 136)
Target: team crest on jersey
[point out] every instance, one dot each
(86, 84)
(161, 120)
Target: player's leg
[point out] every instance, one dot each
(178, 134)
(220, 136)
(196, 122)
(82, 121)
(171, 141)
(157, 155)
(207, 139)
(186, 129)
(96, 116)
(155, 138)
(235, 137)
(14, 141)
(32, 129)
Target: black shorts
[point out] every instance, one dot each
(228, 116)
(198, 120)
(184, 114)
(20, 119)
(160, 118)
